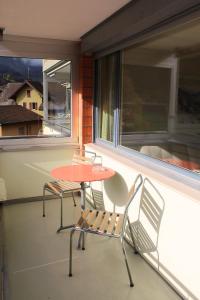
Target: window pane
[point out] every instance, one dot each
(24, 100)
(58, 119)
(107, 78)
(156, 118)
(145, 99)
(145, 96)
(159, 98)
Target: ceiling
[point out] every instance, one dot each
(60, 19)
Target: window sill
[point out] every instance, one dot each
(177, 178)
(19, 144)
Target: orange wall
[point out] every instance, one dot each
(86, 99)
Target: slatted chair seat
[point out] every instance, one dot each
(100, 222)
(141, 236)
(60, 187)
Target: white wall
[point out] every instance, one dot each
(179, 243)
(23, 173)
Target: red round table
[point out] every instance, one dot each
(82, 173)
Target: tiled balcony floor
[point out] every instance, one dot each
(37, 261)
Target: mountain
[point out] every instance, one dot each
(13, 69)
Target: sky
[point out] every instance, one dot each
(13, 69)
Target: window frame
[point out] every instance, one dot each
(12, 143)
(116, 103)
(187, 176)
(59, 65)
(34, 105)
(28, 93)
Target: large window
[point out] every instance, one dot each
(35, 97)
(156, 97)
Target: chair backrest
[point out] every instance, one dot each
(150, 214)
(134, 189)
(131, 196)
(97, 200)
(83, 157)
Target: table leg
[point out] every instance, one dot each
(82, 195)
(82, 235)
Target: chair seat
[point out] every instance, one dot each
(59, 187)
(143, 241)
(100, 222)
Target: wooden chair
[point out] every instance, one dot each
(61, 188)
(104, 223)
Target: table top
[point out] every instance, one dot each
(82, 173)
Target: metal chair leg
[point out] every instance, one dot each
(44, 202)
(126, 261)
(79, 241)
(70, 252)
(73, 198)
(81, 238)
(132, 237)
(158, 259)
(61, 211)
(83, 241)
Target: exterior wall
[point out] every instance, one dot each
(86, 99)
(30, 128)
(23, 173)
(34, 97)
(178, 243)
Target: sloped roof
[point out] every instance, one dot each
(12, 88)
(32, 84)
(11, 114)
(9, 90)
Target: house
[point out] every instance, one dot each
(135, 102)
(16, 120)
(27, 94)
(7, 90)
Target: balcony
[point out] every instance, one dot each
(36, 260)
(133, 98)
